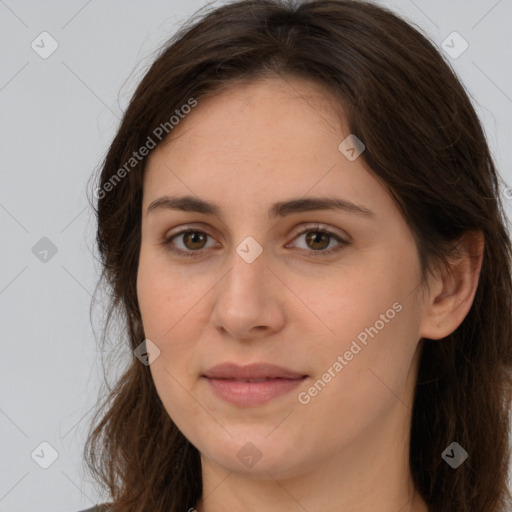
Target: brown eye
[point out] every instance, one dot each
(194, 240)
(318, 240)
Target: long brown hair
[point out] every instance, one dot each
(423, 140)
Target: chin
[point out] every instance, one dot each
(256, 456)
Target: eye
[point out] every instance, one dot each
(318, 239)
(194, 241)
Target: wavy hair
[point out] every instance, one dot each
(423, 140)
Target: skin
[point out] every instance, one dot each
(347, 449)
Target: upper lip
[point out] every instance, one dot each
(251, 371)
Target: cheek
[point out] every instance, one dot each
(360, 373)
(166, 307)
(164, 298)
(173, 316)
(354, 299)
(368, 316)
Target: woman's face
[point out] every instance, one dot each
(339, 313)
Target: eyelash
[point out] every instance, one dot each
(167, 242)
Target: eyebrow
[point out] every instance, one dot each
(280, 209)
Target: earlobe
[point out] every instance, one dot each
(452, 292)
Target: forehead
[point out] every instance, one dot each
(247, 116)
(276, 137)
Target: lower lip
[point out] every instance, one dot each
(252, 393)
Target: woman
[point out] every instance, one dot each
(300, 222)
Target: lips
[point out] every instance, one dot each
(251, 385)
(256, 372)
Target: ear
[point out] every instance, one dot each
(452, 293)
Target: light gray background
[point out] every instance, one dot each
(58, 117)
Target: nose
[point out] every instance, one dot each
(249, 300)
